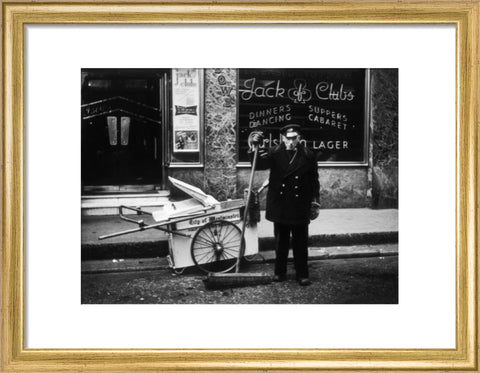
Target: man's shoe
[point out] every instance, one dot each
(304, 281)
(279, 278)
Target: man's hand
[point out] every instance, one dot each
(314, 210)
(255, 138)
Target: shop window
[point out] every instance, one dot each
(186, 129)
(331, 105)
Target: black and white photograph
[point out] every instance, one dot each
(256, 186)
(239, 185)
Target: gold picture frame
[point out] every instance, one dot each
(15, 15)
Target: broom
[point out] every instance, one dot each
(227, 280)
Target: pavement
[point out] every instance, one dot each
(336, 233)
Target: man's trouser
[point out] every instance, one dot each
(299, 235)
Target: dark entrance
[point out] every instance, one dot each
(122, 142)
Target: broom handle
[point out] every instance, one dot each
(245, 211)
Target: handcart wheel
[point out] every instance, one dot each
(215, 246)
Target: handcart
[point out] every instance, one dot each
(202, 232)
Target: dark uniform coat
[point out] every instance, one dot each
(293, 184)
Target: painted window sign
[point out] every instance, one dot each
(329, 104)
(186, 101)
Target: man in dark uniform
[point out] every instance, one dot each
(292, 198)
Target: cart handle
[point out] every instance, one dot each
(140, 223)
(133, 209)
(143, 226)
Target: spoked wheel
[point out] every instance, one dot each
(215, 246)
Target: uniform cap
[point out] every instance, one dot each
(290, 128)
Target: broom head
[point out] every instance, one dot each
(231, 280)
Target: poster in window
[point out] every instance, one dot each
(186, 118)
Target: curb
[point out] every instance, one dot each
(159, 248)
(161, 263)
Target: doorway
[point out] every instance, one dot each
(122, 130)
